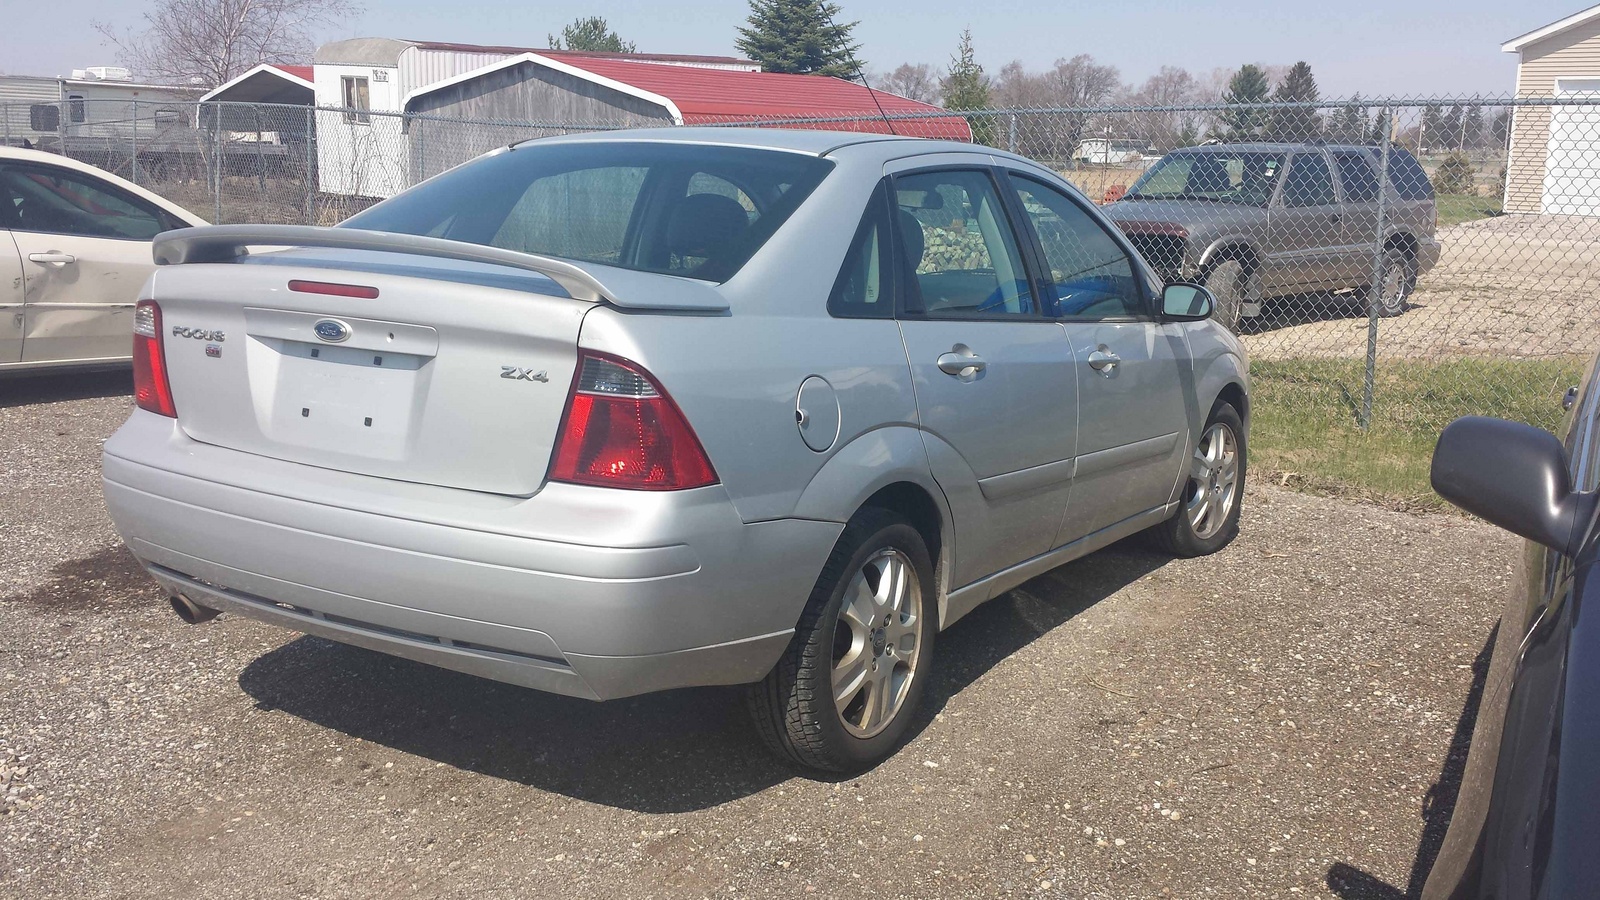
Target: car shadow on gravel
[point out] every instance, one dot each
(56, 387)
(1350, 883)
(676, 751)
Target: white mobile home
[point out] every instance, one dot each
(98, 109)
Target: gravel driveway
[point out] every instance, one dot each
(1267, 722)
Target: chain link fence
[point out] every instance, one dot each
(1390, 264)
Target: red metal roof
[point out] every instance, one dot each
(304, 73)
(720, 96)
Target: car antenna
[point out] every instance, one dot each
(854, 61)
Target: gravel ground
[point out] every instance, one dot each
(1519, 286)
(1267, 722)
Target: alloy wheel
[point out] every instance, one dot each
(1213, 481)
(877, 647)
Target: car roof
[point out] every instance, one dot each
(794, 140)
(19, 154)
(1271, 147)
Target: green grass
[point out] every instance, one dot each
(1304, 431)
(1457, 208)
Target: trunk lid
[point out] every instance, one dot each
(455, 374)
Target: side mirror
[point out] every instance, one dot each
(1514, 476)
(1183, 302)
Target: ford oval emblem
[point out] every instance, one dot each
(332, 330)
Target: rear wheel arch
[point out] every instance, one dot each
(1404, 241)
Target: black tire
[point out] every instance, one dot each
(794, 707)
(1228, 282)
(1178, 535)
(1398, 280)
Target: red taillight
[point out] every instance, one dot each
(621, 430)
(151, 389)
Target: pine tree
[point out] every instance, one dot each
(1351, 122)
(1472, 125)
(592, 34)
(1248, 85)
(1431, 133)
(965, 87)
(1296, 124)
(799, 37)
(1450, 128)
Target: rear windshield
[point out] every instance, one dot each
(1408, 177)
(678, 209)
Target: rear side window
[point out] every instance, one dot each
(1356, 174)
(1309, 183)
(679, 209)
(1408, 177)
(862, 290)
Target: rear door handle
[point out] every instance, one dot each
(54, 256)
(960, 361)
(1104, 361)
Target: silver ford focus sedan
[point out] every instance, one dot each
(616, 413)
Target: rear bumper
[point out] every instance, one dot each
(579, 591)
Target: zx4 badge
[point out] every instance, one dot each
(516, 374)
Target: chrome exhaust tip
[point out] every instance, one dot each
(190, 611)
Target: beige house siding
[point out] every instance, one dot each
(1570, 54)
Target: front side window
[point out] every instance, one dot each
(54, 201)
(1214, 176)
(678, 209)
(357, 100)
(955, 238)
(1089, 274)
(1310, 183)
(1357, 176)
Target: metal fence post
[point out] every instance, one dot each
(1011, 133)
(1369, 378)
(216, 168)
(135, 140)
(311, 165)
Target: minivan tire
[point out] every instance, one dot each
(1179, 535)
(794, 708)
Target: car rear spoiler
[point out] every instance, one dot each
(621, 287)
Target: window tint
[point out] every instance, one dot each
(1309, 183)
(1357, 176)
(356, 100)
(682, 209)
(56, 201)
(1408, 177)
(1089, 274)
(955, 238)
(862, 289)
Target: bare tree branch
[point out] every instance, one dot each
(208, 42)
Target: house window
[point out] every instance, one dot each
(356, 102)
(75, 107)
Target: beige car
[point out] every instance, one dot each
(74, 251)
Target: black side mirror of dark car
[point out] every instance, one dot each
(1183, 302)
(1514, 476)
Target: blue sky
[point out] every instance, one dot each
(1370, 46)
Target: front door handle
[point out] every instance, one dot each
(54, 257)
(961, 361)
(1104, 361)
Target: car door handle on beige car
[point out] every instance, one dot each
(53, 257)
